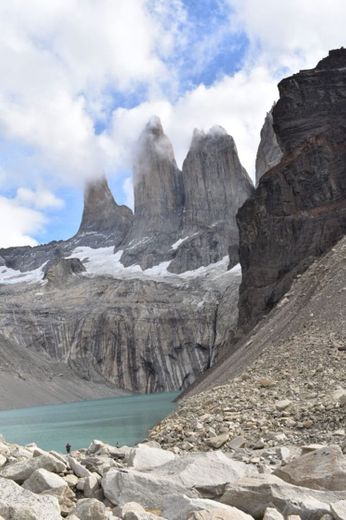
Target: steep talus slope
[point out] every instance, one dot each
(299, 208)
(284, 378)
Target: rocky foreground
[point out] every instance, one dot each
(105, 482)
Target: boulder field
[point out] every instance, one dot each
(146, 482)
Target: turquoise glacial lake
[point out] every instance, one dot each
(125, 420)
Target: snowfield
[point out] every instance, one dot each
(103, 262)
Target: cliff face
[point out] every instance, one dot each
(269, 152)
(104, 222)
(215, 187)
(138, 333)
(298, 211)
(158, 199)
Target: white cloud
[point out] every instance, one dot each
(283, 38)
(39, 199)
(18, 223)
(58, 62)
(238, 103)
(290, 34)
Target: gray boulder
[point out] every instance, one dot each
(183, 508)
(89, 509)
(254, 495)
(20, 504)
(43, 480)
(77, 468)
(20, 471)
(208, 473)
(339, 510)
(145, 457)
(134, 511)
(272, 514)
(320, 469)
(121, 486)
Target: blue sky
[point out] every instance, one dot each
(81, 78)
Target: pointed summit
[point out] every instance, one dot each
(158, 197)
(215, 183)
(102, 215)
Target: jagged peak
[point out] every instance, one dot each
(217, 130)
(336, 59)
(97, 192)
(101, 212)
(154, 126)
(154, 138)
(200, 138)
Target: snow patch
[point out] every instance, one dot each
(178, 242)
(12, 276)
(103, 262)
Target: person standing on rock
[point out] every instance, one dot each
(68, 448)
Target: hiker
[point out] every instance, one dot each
(68, 448)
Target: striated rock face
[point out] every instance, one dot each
(104, 221)
(215, 187)
(269, 152)
(143, 335)
(158, 198)
(301, 201)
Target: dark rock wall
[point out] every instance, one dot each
(298, 211)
